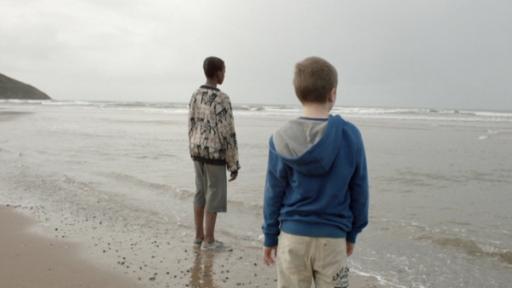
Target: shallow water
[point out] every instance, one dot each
(440, 182)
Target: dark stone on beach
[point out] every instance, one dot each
(13, 89)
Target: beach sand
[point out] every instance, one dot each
(28, 259)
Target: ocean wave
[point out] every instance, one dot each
(68, 103)
(265, 110)
(22, 102)
(380, 279)
(136, 181)
(471, 247)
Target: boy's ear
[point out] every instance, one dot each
(332, 95)
(219, 77)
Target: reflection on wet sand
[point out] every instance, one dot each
(202, 270)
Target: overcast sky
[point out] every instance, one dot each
(431, 53)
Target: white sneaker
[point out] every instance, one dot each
(213, 246)
(197, 242)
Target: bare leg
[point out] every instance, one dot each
(199, 218)
(211, 218)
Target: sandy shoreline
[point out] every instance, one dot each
(31, 260)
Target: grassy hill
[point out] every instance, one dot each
(14, 89)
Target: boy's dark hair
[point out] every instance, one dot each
(212, 65)
(314, 79)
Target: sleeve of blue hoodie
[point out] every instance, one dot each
(358, 189)
(275, 186)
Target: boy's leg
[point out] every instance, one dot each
(199, 218)
(199, 198)
(211, 218)
(293, 261)
(330, 263)
(216, 197)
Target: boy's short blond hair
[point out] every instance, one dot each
(314, 79)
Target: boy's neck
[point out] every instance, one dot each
(314, 110)
(211, 83)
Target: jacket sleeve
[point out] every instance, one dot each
(359, 194)
(191, 120)
(275, 187)
(227, 134)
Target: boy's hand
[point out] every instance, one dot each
(233, 176)
(267, 255)
(350, 248)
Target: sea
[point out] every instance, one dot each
(440, 181)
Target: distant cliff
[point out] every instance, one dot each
(14, 89)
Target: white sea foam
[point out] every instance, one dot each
(291, 110)
(381, 279)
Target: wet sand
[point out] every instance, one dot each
(29, 260)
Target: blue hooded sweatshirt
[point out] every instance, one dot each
(317, 181)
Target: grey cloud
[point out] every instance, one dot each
(390, 53)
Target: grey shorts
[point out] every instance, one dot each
(211, 187)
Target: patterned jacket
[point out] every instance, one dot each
(211, 128)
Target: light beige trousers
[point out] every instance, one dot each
(302, 261)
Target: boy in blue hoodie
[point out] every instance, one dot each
(316, 190)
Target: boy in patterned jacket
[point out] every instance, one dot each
(213, 147)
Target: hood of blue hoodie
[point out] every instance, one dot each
(309, 145)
